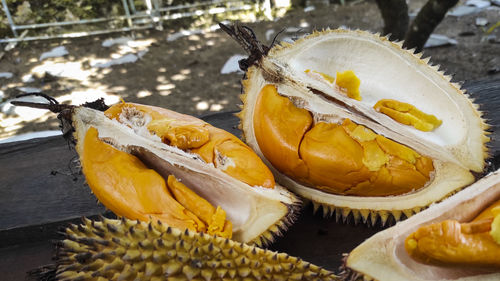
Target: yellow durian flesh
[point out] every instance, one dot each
(386, 71)
(384, 257)
(256, 213)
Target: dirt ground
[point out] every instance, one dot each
(184, 75)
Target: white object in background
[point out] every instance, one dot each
(481, 4)
(437, 40)
(183, 33)
(7, 75)
(269, 33)
(27, 136)
(28, 78)
(309, 9)
(29, 90)
(463, 10)
(116, 41)
(232, 65)
(26, 113)
(56, 52)
(481, 21)
(128, 58)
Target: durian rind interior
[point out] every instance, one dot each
(252, 210)
(383, 256)
(386, 71)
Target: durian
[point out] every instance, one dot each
(149, 163)
(356, 124)
(384, 256)
(134, 250)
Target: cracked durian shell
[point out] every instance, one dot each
(383, 256)
(256, 213)
(386, 71)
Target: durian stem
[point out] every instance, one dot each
(53, 104)
(247, 39)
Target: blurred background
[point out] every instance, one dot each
(172, 53)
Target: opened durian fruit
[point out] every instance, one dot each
(144, 162)
(354, 123)
(457, 239)
(149, 163)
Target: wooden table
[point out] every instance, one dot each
(41, 190)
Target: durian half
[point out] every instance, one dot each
(303, 73)
(256, 213)
(383, 256)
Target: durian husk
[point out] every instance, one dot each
(453, 162)
(133, 250)
(257, 214)
(383, 256)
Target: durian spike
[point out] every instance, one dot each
(143, 251)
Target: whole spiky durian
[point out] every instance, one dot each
(132, 250)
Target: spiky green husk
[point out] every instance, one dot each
(132, 250)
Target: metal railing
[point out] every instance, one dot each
(151, 17)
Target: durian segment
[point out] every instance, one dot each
(253, 211)
(467, 244)
(130, 250)
(447, 178)
(383, 256)
(343, 158)
(216, 146)
(124, 184)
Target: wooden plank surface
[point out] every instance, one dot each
(41, 189)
